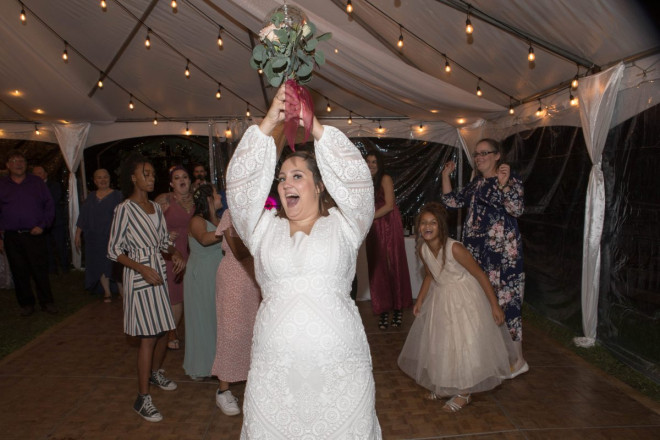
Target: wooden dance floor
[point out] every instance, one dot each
(78, 381)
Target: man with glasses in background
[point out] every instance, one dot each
(26, 210)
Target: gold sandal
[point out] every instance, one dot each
(451, 405)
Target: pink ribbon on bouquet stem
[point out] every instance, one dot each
(301, 105)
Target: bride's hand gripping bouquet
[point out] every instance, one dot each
(288, 54)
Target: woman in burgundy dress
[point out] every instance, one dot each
(389, 279)
(177, 207)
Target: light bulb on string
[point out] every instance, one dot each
(220, 42)
(36, 130)
(227, 131)
(188, 132)
(218, 94)
(131, 106)
(479, 92)
(23, 16)
(65, 53)
(400, 42)
(187, 71)
(447, 66)
(328, 108)
(530, 54)
(174, 5)
(100, 82)
(574, 83)
(380, 127)
(104, 5)
(468, 24)
(572, 100)
(349, 6)
(247, 112)
(155, 118)
(511, 110)
(539, 111)
(350, 119)
(260, 71)
(421, 127)
(147, 41)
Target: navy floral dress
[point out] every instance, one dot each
(492, 236)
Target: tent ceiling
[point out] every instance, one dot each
(365, 72)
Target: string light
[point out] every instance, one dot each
(572, 99)
(220, 42)
(350, 119)
(574, 83)
(155, 118)
(479, 92)
(468, 24)
(247, 112)
(447, 65)
(421, 127)
(539, 111)
(218, 94)
(260, 71)
(100, 82)
(23, 16)
(104, 5)
(36, 130)
(328, 108)
(380, 127)
(188, 132)
(65, 53)
(511, 110)
(530, 55)
(349, 6)
(400, 42)
(131, 106)
(147, 41)
(187, 71)
(174, 5)
(227, 131)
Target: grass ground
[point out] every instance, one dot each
(16, 331)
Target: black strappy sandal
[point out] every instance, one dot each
(397, 318)
(382, 322)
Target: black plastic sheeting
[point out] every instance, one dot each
(629, 303)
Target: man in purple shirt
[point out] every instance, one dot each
(26, 209)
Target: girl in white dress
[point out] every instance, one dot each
(457, 344)
(310, 375)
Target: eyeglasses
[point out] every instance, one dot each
(483, 153)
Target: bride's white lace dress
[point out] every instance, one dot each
(310, 374)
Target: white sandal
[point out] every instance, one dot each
(452, 406)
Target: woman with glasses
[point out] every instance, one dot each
(494, 199)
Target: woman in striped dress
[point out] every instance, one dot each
(137, 237)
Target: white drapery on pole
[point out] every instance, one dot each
(72, 138)
(597, 95)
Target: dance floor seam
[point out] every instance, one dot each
(77, 381)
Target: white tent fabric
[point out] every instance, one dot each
(72, 138)
(597, 96)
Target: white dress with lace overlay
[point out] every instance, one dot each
(310, 375)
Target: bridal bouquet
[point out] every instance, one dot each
(288, 54)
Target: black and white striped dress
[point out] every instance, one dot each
(142, 237)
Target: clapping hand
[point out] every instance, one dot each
(449, 168)
(503, 174)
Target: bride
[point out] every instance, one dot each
(310, 374)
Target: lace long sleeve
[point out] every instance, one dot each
(249, 179)
(347, 178)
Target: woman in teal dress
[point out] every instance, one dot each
(199, 283)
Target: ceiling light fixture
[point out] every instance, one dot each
(468, 24)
